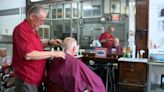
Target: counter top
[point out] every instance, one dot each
(79, 56)
(156, 63)
(144, 60)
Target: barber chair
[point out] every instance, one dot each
(106, 69)
(51, 87)
(54, 88)
(6, 79)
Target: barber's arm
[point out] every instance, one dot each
(103, 40)
(38, 55)
(51, 42)
(106, 40)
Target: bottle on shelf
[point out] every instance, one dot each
(128, 52)
(124, 52)
(138, 54)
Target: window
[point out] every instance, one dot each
(44, 32)
(67, 7)
(115, 6)
(57, 11)
(48, 11)
(92, 8)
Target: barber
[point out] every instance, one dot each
(28, 55)
(106, 38)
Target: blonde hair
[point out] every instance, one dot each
(69, 43)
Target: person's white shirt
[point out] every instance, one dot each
(96, 43)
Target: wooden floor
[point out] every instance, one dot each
(129, 89)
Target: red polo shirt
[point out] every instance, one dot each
(25, 41)
(106, 35)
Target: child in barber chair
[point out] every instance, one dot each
(116, 48)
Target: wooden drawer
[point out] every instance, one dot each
(132, 73)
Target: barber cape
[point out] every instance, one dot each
(73, 75)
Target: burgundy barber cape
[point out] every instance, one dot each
(73, 75)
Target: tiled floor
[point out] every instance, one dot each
(9, 90)
(157, 88)
(132, 89)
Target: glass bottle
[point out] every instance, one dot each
(124, 52)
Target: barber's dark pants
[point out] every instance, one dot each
(24, 87)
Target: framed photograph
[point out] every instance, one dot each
(115, 6)
(161, 11)
(101, 52)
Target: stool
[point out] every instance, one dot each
(162, 79)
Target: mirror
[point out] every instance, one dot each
(87, 19)
(117, 13)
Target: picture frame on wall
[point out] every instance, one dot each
(101, 52)
(115, 6)
(161, 11)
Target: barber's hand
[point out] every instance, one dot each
(59, 54)
(109, 39)
(106, 40)
(55, 42)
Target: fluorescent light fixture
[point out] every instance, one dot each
(87, 7)
(36, 0)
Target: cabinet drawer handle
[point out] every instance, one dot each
(132, 70)
(131, 65)
(125, 81)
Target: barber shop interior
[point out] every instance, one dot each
(81, 46)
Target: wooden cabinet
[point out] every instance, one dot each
(141, 41)
(133, 73)
(142, 14)
(141, 36)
